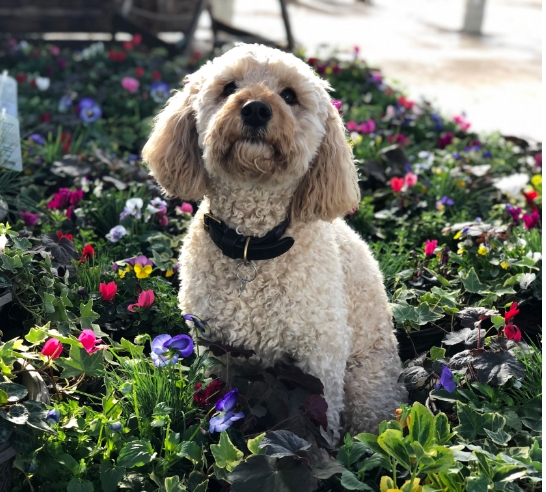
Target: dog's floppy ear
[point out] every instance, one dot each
(330, 187)
(172, 151)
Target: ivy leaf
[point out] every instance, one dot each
(79, 485)
(72, 366)
(225, 453)
(136, 453)
(283, 443)
(110, 476)
(18, 414)
(472, 282)
(87, 315)
(470, 422)
(269, 475)
(253, 444)
(191, 451)
(403, 312)
(92, 364)
(37, 335)
(477, 484)
(437, 353)
(6, 429)
(424, 315)
(14, 391)
(441, 427)
(509, 473)
(499, 436)
(438, 459)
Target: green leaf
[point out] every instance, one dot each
(36, 335)
(424, 314)
(3, 397)
(525, 262)
(282, 443)
(472, 282)
(14, 391)
(421, 425)
(110, 476)
(440, 279)
(253, 444)
(327, 469)
(22, 243)
(69, 462)
(136, 453)
(470, 422)
(437, 353)
(392, 442)
(509, 473)
(535, 453)
(350, 482)
(441, 426)
(499, 436)
(173, 484)
(6, 429)
(190, 450)
(72, 366)
(370, 440)
(38, 423)
(92, 364)
(477, 484)
(18, 414)
(79, 485)
(438, 459)
(225, 453)
(87, 315)
(403, 312)
(49, 299)
(483, 464)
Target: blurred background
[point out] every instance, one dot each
(480, 57)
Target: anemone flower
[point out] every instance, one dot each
(167, 349)
(430, 246)
(52, 348)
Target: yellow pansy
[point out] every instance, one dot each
(169, 272)
(143, 272)
(505, 265)
(121, 273)
(460, 251)
(536, 180)
(328, 70)
(387, 485)
(128, 268)
(461, 183)
(483, 249)
(458, 235)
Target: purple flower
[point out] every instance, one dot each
(167, 349)
(37, 139)
(116, 426)
(89, 110)
(223, 421)
(337, 104)
(65, 103)
(407, 166)
(446, 200)
(225, 416)
(438, 123)
(53, 416)
(139, 260)
(487, 154)
(446, 380)
(201, 324)
(114, 267)
(514, 212)
(159, 92)
(456, 155)
(29, 218)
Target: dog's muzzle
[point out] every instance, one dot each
(256, 114)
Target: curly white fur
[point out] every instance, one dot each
(322, 304)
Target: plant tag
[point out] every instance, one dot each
(10, 142)
(8, 94)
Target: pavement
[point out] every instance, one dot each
(495, 78)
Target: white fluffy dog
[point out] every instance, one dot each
(255, 133)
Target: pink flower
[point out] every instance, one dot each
(52, 348)
(366, 127)
(531, 220)
(352, 126)
(430, 246)
(54, 50)
(336, 104)
(463, 124)
(145, 300)
(400, 139)
(445, 139)
(405, 102)
(538, 159)
(410, 180)
(29, 218)
(163, 221)
(377, 77)
(88, 339)
(397, 184)
(130, 84)
(75, 197)
(512, 332)
(186, 208)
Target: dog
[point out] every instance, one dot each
(268, 260)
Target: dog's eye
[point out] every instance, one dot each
(229, 89)
(289, 96)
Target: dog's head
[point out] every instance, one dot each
(261, 117)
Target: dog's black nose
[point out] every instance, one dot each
(256, 113)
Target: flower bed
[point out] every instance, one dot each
(88, 296)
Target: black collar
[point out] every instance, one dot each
(234, 244)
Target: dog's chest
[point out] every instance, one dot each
(286, 309)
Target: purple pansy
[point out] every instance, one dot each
(53, 416)
(159, 92)
(446, 380)
(201, 324)
(139, 260)
(115, 426)
(29, 218)
(89, 110)
(167, 349)
(38, 139)
(225, 416)
(487, 154)
(514, 212)
(446, 200)
(438, 123)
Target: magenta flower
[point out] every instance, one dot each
(531, 220)
(430, 246)
(130, 84)
(352, 126)
(145, 300)
(410, 180)
(366, 127)
(89, 341)
(445, 139)
(29, 218)
(514, 212)
(336, 103)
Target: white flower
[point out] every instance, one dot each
(512, 185)
(133, 207)
(522, 241)
(43, 83)
(116, 233)
(526, 279)
(3, 241)
(535, 256)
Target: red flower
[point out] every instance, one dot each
(45, 118)
(512, 332)
(511, 312)
(137, 39)
(312, 61)
(108, 291)
(156, 75)
(397, 184)
(66, 140)
(405, 102)
(87, 253)
(21, 77)
(530, 195)
(118, 56)
(127, 46)
(139, 72)
(52, 348)
(208, 396)
(401, 139)
(61, 235)
(430, 246)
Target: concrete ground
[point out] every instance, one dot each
(495, 78)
